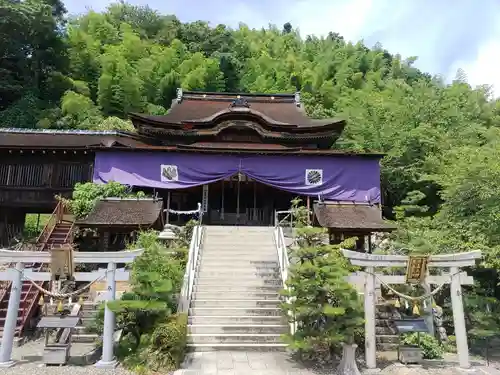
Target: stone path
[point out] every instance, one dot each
(242, 363)
(279, 363)
(225, 363)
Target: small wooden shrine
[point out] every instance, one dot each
(116, 221)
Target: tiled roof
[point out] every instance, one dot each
(346, 216)
(19, 138)
(203, 107)
(124, 212)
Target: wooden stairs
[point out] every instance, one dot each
(57, 232)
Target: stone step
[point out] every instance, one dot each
(234, 253)
(387, 339)
(237, 273)
(220, 281)
(238, 328)
(240, 238)
(386, 347)
(226, 230)
(239, 263)
(243, 289)
(84, 337)
(386, 331)
(237, 320)
(235, 311)
(238, 255)
(247, 347)
(246, 242)
(235, 338)
(235, 303)
(249, 295)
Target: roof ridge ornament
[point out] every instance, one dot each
(239, 102)
(179, 95)
(297, 98)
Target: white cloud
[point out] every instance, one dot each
(484, 69)
(319, 17)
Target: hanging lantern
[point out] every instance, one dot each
(60, 307)
(434, 304)
(41, 301)
(80, 301)
(416, 310)
(407, 306)
(397, 304)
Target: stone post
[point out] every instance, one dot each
(459, 319)
(370, 344)
(11, 318)
(429, 316)
(108, 359)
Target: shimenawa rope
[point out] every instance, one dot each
(410, 298)
(61, 295)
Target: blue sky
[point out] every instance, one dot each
(444, 34)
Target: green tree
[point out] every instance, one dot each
(323, 306)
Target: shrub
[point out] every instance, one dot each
(168, 344)
(325, 307)
(156, 282)
(431, 347)
(86, 195)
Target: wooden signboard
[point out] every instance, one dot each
(61, 262)
(416, 269)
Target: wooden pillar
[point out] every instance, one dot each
(254, 200)
(167, 216)
(103, 240)
(308, 210)
(238, 200)
(222, 202)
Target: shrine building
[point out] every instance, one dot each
(242, 156)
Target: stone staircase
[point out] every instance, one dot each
(88, 314)
(386, 332)
(235, 301)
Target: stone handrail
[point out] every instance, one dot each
(190, 273)
(284, 261)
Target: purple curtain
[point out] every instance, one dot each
(337, 177)
(163, 170)
(343, 178)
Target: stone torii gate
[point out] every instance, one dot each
(16, 274)
(455, 278)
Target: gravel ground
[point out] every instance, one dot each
(29, 362)
(29, 357)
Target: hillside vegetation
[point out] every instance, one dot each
(441, 175)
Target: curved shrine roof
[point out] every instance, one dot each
(198, 108)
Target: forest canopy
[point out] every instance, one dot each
(440, 176)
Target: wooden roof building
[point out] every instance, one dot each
(225, 120)
(125, 213)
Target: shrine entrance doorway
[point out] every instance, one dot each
(240, 200)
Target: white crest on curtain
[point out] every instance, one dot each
(169, 173)
(314, 177)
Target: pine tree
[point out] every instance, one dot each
(326, 309)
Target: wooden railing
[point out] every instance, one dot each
(57, 217)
